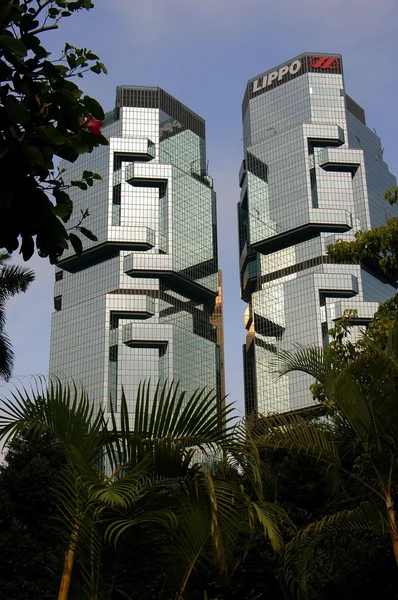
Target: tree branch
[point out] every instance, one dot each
(40, 29)
(41, 6)
(115, 473)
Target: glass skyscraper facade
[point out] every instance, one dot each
(139, 303)
(312, 173)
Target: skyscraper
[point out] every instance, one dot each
(138, 303)
(312, 173)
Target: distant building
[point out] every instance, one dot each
(217, 319)
(312, 173)
(140, 302)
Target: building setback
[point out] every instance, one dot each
(138, 304)
(312, 173)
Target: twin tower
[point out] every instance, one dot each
(145, 300)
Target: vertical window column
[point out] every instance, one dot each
(112, 376)
(116, 203)
(314, 188)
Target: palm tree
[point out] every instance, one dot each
(361, 409)
(169, 476)
(13, 279)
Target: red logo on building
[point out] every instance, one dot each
(324, 62)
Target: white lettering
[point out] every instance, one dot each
(266, 81)
(282, 72)
(257, 86)
(295, 67)
(271, 77)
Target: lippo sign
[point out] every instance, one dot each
(269, 78)
(306, 63)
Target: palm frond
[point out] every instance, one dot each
(366, 391)
(174, 414)
(6, 354)
(311, 360)
(127, 475)
(121, 492)
(295, 432)
(392, 342)
(189, 548)
(65, 412)
(215, 500)
(13, 280)
(168, 425)
(302, 550)
(271, 517)
(119, 524)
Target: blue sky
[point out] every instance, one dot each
(203, 52)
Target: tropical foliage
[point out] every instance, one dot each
(31, 548)
(378, 245)
(13, 280)
(343, 347)
(43, 115)
(31, 552)
(360, 412)
(357, 566)
(168, 478)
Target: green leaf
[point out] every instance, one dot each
(87, 174)
(96, 69)
(62, 243)
(94, 108)
(16, 132)
(11, 44)
(101, 140)
(31, 41)
(71, 58)
(81, 61)
(27, 247)
(41, 52)
(392, 195)
(49, 133)
(80, 184)
(27, 23)
(89, 234)
(61, 196)
(76, 243)
(34, 155)
(79, 145)
(97, 176)
(64, 206)
(6, 72)
(72, 88)
(66, 153)
(3, 151)
(17, 111)
(62, 69)
(61, 210)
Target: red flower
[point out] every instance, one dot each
(93, 125)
